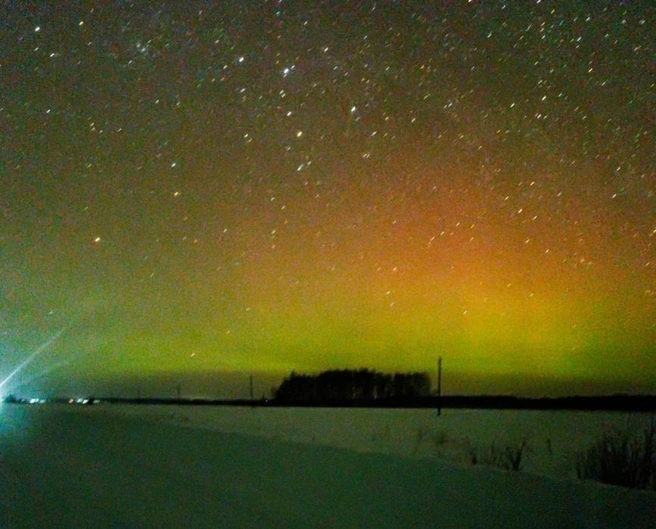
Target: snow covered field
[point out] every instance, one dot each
(553, 438)
(120, 466)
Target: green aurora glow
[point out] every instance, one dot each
(251, 188)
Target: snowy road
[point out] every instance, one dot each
(62, 469)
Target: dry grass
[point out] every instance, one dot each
(621, 458)
(508, 457)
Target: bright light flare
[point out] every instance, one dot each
(46, 372)
(44, 346)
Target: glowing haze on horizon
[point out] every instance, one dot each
(272, 186)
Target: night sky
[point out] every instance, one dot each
(193, 191)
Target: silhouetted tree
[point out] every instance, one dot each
(338, 385)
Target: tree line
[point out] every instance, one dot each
(348, 385)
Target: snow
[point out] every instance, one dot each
(117, 466)
(553, 437)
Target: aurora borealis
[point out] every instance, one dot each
(192, 188)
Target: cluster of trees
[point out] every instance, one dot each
(348, 384)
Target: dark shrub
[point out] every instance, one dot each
(621, 458)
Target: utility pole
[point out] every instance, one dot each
(251, 387)
(439, 386)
